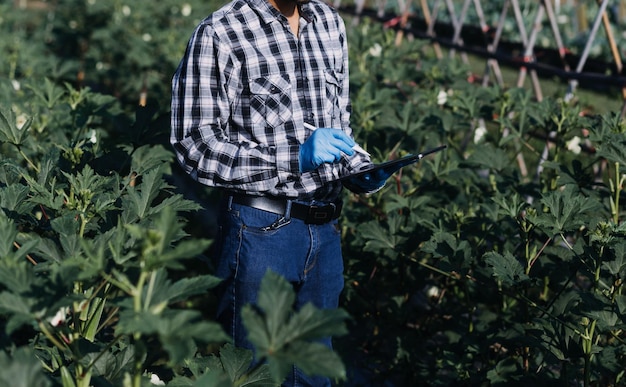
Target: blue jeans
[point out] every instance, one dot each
(306, 255)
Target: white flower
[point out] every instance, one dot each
(573, 145)
(154, 379)
(126, 10)
(146, 37)
(186, 9)
(20, 121)
(442, 97)
(91, 2)
(92, 136)
(479, 134)
(433, 292)
(376, 50)
(16, 84)
(73, 24)
(60, 317)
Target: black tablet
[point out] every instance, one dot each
(393, 165)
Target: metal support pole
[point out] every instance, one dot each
(431, 24)
(456, 25)
(494, 46)
(555, 31)
(529, 44)
(581, 63)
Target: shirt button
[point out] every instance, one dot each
(273, 89)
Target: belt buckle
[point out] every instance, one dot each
(320, 215)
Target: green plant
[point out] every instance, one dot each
(93, 257)
(499, 261)
(471, 268)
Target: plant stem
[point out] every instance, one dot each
(83, 224)
(140, 347)
(587, 349)
(28, 160)
(50, 336)
(618, 189)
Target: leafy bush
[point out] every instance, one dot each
(498, 261)
(96, 287)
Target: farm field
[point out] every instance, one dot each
(499, 261)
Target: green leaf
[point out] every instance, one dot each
(161, 291)
(14, 198)
(16, 274)
(454, 253)
(236, 363)
(286, 338)
(567, 211)
(157, 241)
(9, 132)
(67, 378)
(178, 330)
(8, 234)
(311, 358)
(182, 250)
(22, 368)
(138, 201)
(606, 319)
(506, 268)
(18, 309)
(620, 300)
(50, 94)
(616, 265)
(92, 315)
(510, 205)
(490, 157)
(310, 323)
(276, 298)
(383, 236)
(613, 148)
(114, 363)
(150, 157)
(503, 372)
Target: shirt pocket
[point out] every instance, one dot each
(270, 101)
(334, 83)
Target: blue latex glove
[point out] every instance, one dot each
(369, 182)
(325, 145)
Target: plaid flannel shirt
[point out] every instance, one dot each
(243, 90)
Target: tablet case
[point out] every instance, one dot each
(390, 167)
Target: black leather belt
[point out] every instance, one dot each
(311, 214)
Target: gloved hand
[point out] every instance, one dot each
(325, 145)
(368, 182)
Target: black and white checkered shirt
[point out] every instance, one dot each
(244, 89)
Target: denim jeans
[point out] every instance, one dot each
(306, 255)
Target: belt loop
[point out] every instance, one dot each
(230, 203)
(287, 214)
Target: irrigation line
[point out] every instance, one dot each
(516, 62)
(495, 57)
